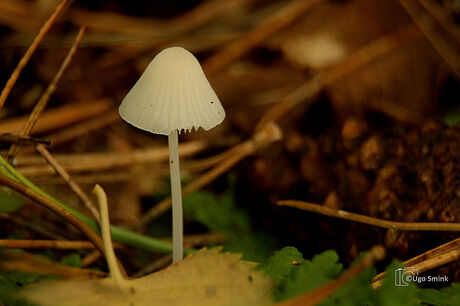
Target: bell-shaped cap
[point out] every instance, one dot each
(172, 94)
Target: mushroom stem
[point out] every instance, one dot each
(176, 196)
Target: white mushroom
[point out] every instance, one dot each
(172, 95)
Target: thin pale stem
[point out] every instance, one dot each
(176, 196)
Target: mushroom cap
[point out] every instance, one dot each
(172, 94)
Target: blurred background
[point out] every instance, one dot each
(365, 93)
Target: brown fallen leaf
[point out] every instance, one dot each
(205, 278)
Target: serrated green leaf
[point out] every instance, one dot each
(309, 275)
(280, 265)
(389, 294)
(449, 296)
(216, 213)
(356, 292)
(255, 246)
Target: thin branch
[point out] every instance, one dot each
(314, 297)
(41, 104)
(69, 180)
(53, 207)
(22, 63)
(234, 50)
(341, 214)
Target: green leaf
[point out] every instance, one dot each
(309, 275)
(389, 294)
(72, 260)
(219, 213)
(355, 292)
(255, 246)
(12, 282)
(9, 202)
(449, 296)
(280, 265)
(216, 213)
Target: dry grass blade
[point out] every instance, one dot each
(50, 205)
(446, 47)
(69, 180)
(105, 160)
(314, 297)
(341, 214)
(41, 104)
(251, 39)
(22, 63)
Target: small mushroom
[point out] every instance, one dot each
(172, 95)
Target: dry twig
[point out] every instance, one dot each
(22, 63)
(41, 104)
(69, 180)
(401, 226)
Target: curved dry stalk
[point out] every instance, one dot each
(22, 63)
(114, 268)
(402, 226)
(314, 297)
(53, 207)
